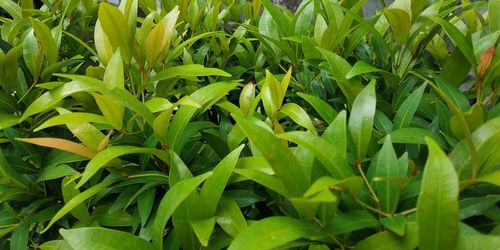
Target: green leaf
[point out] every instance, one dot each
(214, 186)
(350, 221)
(113, 76)
(437, 205)
(389, 241)
(86, 84)
(48, 43)
(188, 71)
(476, 205)
(361, 67)
(397, 224)
(159, 37)
(32, 54)
(77, 200)
(265, 179)
(284, 164)
(324, 151)
(6, 170)
(400, 22)
(112, 110)
(339, 69)
(161, 125)
(281, 19)
(203, 229)
(463, 43)
(8, 120)
(453, 93)
(169, 203)
(298, 115)
(303, 18)
(272, 95)
(89, 135)
(361, 120)
(405, 113)
(230, 217)
(110, 153)
(13, 9)
(324, 109)
(271, 233)
(94, 238)
(69, 192)
(114, 26)
(55, 171)
(412, 136)
(494, 20)
(478, 242)
(72, 118)
(386, 168)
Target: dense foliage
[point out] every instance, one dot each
(231, 123)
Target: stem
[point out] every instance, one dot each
(374, 196)
(409, 211)
(371, 208)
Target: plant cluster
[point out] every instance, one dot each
(212, 124)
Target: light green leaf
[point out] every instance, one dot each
(55, 171)
(203, 229)
(400, 22)
(114, 26)
(389, 241)
(271, 233)
(12, 8)
(437, 205)
(188, 71)
(397, 224)
(361, 119)
(298, 115)
(114, 75)
(97, 238)
(110, 153)
(86, 84)
(494, 19)
(230, 217)
(8, 120)
(70, 118)
(478, 242)
(159, 37)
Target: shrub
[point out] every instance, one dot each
(238, 124)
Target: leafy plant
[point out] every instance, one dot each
(239, 124)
